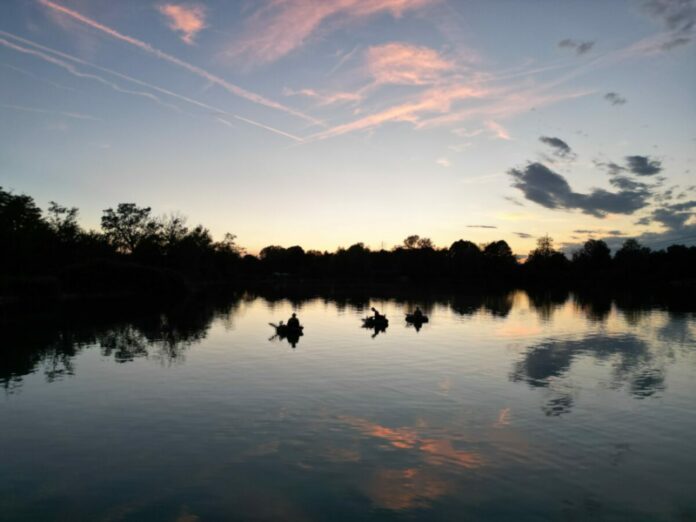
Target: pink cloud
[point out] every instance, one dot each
(437, 100)
(326, 98)
(504, 106)
(497, 129)
(188, 20)
(282, 26)
(402, 63)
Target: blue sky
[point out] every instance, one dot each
(325, 123)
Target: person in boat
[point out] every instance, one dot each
(377, 316)
(418, 313)
(293, 322)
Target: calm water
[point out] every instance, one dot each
(501, 408)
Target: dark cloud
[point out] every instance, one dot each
(677, 220)
(614, 98)
(643, 165)
(551, 190)
(679, 228)
(626, 183)
(611, 167)
(678, 16)
(523, 235)
(481, 226)
(672, 217)
(639, 165)
(596, 231)
(668, 195)
(577, 46)
(514, 201)
(560, 147)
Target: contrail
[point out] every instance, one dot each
(292, 137)
(38, 78)
(73, 70)
(156, 88)
(75, 115)
(230, 87)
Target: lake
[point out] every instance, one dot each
(513, 406)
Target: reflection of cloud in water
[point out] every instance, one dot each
(549, 362)
(434, 451)
(400, 489)
(503, 418)
(414, 487)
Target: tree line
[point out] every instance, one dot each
(135, 251)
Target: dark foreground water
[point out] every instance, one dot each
(505, 407)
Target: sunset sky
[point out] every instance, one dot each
(325, 123)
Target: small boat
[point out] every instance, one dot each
(375, 322)
(284, 330)
(416, 319)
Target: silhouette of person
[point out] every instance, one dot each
(418, 313)
(293, 322)
(377, 314)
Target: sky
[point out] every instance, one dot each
(325, 123)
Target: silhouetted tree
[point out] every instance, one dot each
(499, 257)
(545, 261)
(425, 242)
(173, 229)
(43, 254)
(632, 260)
(63, 221)
(466, 258)
(128, 226)
(411, 241)
(593, 257)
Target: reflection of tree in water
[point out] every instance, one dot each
(122, 332)
(497, 305)
(633, 363)
(558, 405)
(546, 302)
(123, 344)
(595, 306)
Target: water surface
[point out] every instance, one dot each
(504, 407)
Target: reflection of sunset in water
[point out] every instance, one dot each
(503, 418)
(436, 451)
(409, 488)
(502, 402)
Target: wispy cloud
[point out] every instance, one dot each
(679, 16)
(406, 64)
(443, 162)
(198, 71)
(36, 77)
(577, 46)
(614, 98)
(435, 100)
(279, 27)
(498, 130)
(325, 98)
(74, 70)
(502, 105)
(268, 128)
(187, 19)
(560, 148)
(43, 53)
(73, 115)
(343, 58)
